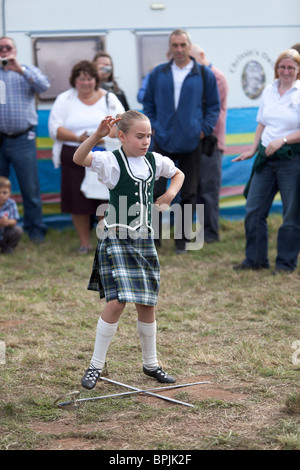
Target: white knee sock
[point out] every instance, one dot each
(147, 334)
(104, 335)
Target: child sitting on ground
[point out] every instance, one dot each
(10, 232)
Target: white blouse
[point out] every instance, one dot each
(107, 167)
(279, 114)
(69, 112)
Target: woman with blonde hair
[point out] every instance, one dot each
(276, 168)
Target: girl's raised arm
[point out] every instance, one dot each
(83, 155)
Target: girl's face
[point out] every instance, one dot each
(137, 141)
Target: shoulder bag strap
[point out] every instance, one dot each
(204, 90)
(107, 102)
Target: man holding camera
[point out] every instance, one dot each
(173, 103)
(18, 119)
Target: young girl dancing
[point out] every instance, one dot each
(126, 266)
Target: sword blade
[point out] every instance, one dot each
(147, 392)
(132, 392)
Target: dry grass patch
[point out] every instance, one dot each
(234, 330)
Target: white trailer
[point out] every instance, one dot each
(241, 38)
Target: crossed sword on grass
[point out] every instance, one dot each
(74, 403)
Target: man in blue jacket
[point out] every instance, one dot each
(173, 103)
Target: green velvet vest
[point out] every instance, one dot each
(131, 200)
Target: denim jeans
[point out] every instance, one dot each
(283, 176)
(20, 152)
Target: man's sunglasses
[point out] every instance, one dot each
(8, 48)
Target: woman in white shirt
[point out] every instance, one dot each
(276, 168)
(73, 117)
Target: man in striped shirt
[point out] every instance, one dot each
(18, 119)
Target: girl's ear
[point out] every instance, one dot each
(121, 136)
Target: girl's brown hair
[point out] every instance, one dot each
(127, 119)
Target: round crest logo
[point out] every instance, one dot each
(253, 79)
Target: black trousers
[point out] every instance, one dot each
(188, 163)
(11, 237)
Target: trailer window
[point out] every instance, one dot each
(152, 50)
(55, 57)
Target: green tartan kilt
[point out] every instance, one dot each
(126, 269)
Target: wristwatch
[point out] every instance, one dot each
(284, 140)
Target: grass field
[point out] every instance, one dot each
(236, 330)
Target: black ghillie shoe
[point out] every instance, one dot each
(159, 375)
(90, 377)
